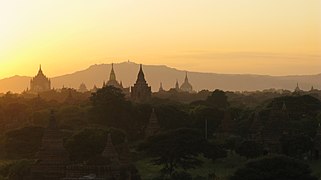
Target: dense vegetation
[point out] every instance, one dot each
(182, 149)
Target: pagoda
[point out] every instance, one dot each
(186, 86)
(52, 156)
(141, 92)
(40, 83)
(113, 82)
(153, 126)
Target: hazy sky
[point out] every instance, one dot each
(225, 36)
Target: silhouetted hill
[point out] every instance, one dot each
(127, 73)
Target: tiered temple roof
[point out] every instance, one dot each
(141, 92)
(110, 151)
(40, 82)
(52, 157)
(153, 126)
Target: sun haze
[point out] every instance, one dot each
(224, 36)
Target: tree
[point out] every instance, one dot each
(250, 149)
(296, 145)
(218, 99)
(89, 143)
(175, 149)
(24, 142)
(213, 116)
(110, 107)
(274, 168)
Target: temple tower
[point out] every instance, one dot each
(110, 151)
(161, 89)
(186, 86)
(52, 157)
(40, 83)
(112, 79)
(153, 126)
(141, 92)
(82, 88)
(177, 86)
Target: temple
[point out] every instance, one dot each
(186, 86)
(111, 166)
(52, 157)
(177, 86)
(141, 92)
(297, 90)
(40, 83)
(161, 89)
(112, 79)
(153, 125)
(82, 88)
(113, 82)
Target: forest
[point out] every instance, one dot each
(205, 135)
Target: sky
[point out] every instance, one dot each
(275, 37)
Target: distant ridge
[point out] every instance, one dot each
(127, 73)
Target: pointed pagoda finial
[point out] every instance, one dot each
(297, 89)
(141, 76)
(177, 85)
(40, 70)
(161, 87)
(112, 76)
(186, 78)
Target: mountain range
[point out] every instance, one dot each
(156, 74)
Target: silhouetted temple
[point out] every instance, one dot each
(113, 167)
(297, 90)
(52, 157)
(52, 161)
(177, 86)
(161, 89)
(141, 92)
(110, 151)
(82, 88)
(40, 83)
(153, 125)
(186, 86)
(113, 81)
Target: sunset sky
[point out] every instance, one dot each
(276, 37)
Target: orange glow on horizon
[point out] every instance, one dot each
(222, 36)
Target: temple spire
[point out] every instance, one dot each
(141, 75)
(40, 70)
(177, 85)
(161, 87)
(153, 126)
(112, 73)
(186, 78)
(110, 151)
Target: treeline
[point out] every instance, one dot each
(209, 128)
